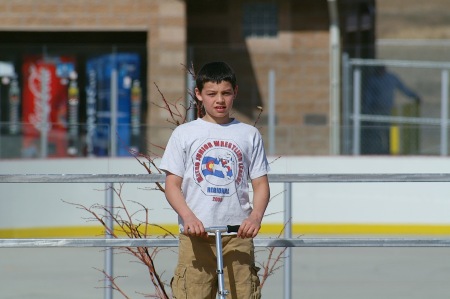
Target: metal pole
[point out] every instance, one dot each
(219, 258)
(0, 122)
(113, 120)
(45, 111)
(288, 234)
(335, 79)
(190, 82)
(344, 242)
(271, 112)
(190, 102)
(356, 111)
(109, 201)
(444, 113)
(346, 112)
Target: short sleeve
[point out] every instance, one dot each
(173, 159)
(259, 165)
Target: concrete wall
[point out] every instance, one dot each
(332, 208)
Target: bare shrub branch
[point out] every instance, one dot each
(272, 262)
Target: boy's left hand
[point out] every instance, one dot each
(249, 228)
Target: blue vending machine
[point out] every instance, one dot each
(109, 84)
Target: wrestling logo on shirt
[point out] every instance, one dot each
(218, 167)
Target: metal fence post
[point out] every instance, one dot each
(288, 234)
(444, 112)
(44, 125)
(271, 112)
(356, 111)
(109, 205)
(114, 113)
(346, 107)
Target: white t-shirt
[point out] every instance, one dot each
(216, 162)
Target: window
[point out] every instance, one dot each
(260, 19)
(56, 87)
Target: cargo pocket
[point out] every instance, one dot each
(255, 283)
(201, 283)
(178, 283)
(246, 283)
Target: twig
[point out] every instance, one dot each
(271, 266)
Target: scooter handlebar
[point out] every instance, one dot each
(233, 228)
(223, 229)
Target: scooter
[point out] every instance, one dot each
(218, 230)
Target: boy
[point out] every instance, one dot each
(208, 162)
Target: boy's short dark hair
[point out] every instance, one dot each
(216, 72)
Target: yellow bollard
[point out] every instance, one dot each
(394, 140)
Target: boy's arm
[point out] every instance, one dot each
(261, 193)
(192, 225)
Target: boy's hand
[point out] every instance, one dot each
(194, 227)
(249, 228)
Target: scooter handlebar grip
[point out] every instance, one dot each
(233, 228)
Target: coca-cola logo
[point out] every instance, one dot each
(39, 83)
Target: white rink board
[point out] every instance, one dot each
(41, 204)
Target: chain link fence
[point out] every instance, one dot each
(395, 107)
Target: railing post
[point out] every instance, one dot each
(288, 234)
(356, 111)
(346, 107)
(109, 205)
(45, 113)
(114, 114)
(190, 86)
(444, 113)
(271, 112)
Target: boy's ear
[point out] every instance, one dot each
(236, 91)
(198, 94)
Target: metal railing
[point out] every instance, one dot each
(353, 87)
(287, 241)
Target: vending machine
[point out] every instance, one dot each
(44, 105)
(9, 111)
(113, 100)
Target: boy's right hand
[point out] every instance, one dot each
(194, 227)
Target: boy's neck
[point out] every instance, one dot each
(219, 121)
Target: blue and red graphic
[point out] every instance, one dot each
(219, 167)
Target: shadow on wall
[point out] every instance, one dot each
(213, 27)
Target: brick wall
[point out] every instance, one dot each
(299, 55)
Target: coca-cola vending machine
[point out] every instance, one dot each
(113, 103)
(44, 109)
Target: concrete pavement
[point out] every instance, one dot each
(318, 273)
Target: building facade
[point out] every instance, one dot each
(286, 39)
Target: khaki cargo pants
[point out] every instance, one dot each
(196, 273)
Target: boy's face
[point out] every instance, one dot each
(217, 99)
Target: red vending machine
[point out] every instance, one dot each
(44, 110)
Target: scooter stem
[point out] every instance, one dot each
(222, 292)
